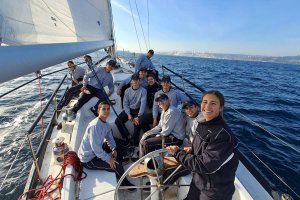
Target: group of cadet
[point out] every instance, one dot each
(210, 148)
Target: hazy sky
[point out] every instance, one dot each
(256, 27)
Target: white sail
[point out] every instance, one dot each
(54, 21)
(39, 22)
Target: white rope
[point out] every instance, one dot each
(22, 144)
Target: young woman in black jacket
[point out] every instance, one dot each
(213, 158)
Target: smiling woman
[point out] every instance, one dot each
(212, 104)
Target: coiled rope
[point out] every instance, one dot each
(46, 189)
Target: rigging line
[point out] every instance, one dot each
(277, 176)
(18, 87)
(148, 23)
(62, 21)
(21, 146)
(135, 26)
(260, 126)
(141, 23)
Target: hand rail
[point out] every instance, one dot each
(193, 84)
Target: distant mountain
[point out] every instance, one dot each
(283, 59)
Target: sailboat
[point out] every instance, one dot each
(40, 34)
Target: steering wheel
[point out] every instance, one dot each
(159, 186)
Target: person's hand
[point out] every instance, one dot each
(119, 92)
(136, 121)
(83, 88)
(114, 154)
(172, 149)
(188, 149)
(154, 122)
(112, 163)
(129, 117)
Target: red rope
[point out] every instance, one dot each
(70, 158)
(38, 74)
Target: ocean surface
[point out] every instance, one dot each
(262, 108)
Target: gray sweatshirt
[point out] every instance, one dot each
(171, 122)
(91, 145)
(175, 98)
(77, 73)
(191, 126)
(143, 62)
(135, 99)
(105, 78)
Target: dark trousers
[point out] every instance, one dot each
(147, 120)
(123, 117)
(95, 92)
(182, 171)
(154, 143)
(72, 91)
(99, 164)
(224, 192)
(123, 92)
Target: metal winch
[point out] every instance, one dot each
(59, 150)
(156, 162)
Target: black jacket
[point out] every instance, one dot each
(214, 159)
(151, 90)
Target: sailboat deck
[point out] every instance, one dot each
(101, 184)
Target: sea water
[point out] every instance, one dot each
(258, 95)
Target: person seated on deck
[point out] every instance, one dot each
(144, 61)
(77, 74)
(213, 157)
(135, 100)
(171, 127)
(152, 88)
(98, 149)
(174, 96)
(126, 83)
(193, 117)
(92, 88)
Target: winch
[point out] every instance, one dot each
(154, 164)
(59, 150)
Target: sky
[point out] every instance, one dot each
(254, 27)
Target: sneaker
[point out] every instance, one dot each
(92, 109)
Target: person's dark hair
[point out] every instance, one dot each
(102, 103)
(71, 62)
(151, 51)
(218, 94)
(87, 56)
(151, 75)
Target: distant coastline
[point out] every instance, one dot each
(258, 58)
(283, 59)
